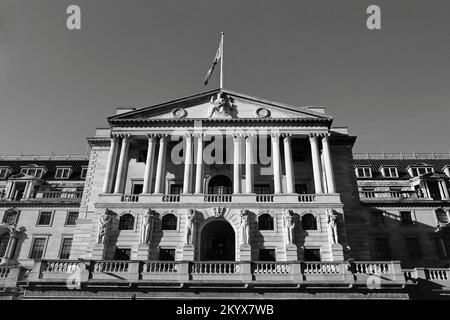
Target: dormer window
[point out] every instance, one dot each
(4, 173)
(418, 171)
(33, 171)
(363, 172)
(83, 172)
(389, 172)
(63, 173)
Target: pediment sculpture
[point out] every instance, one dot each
(221, 106)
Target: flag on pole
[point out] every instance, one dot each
(216, 59)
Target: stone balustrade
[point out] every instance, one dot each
(10, 275)
(388, 273)
(389, 195)
(109, 200)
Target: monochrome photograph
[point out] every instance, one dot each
(223, 157)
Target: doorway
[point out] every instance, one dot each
(217, 242)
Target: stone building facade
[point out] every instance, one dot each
(229, 191)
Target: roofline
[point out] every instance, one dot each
(22, 157)
(237, 94)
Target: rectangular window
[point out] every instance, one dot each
(413, 248)
(66, 246)
(122, 254)
(166, 254)
(262, 189)
(62, 173)
(142, 156)
(364, 172)
(176, 188)
(301, 188)
(417, 171)
(389, 172)
(72, 218)
(33, 172)
(377, 218)
(312, 254)
(406, 217)
(382, 249)
(267, 255)
(37, 248)
(45, 218)
(137, 188)
(83, 173)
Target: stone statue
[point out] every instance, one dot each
(244, 228)
(104, 226)
(147, 227)
(332, 226)
(220, 106)
(190, 227)
(289, 225)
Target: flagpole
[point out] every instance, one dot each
(221, 62)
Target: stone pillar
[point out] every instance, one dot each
(237, 164)
(9, 253)
(121, 169)
(187, 165)
(248, 164)
(12, 191)
(148, 174)
(199, 165)
(328, 165)
(276, 162)
(112, 157)
(288, 164)
(160, 165)
(315, 156)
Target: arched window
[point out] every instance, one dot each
(169, 222)
(4, 239)
(220, 185)
(441, 216)
(309, 222)
(126, 222)
(10, 217)
(265, 222)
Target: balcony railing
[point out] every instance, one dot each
(221, 198)
(388, 272)
(388, 195)
(9, 275)
(71, 196)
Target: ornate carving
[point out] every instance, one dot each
(179, 113)
(332, 226)
(221, 106)
(189, 234)
(244, 228)
(262, 113)
(104, 227)
(218, 211)
(289, 225)
(147, 226)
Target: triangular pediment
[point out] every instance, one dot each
(221, 104)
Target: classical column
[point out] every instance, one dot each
(9, 253)
(199, 165)
(148, 174)
(160, 165)
(237, 164)
(315, 155)
(187, 164)
(276, 163)
(288, 164)
(110, 165)
(122, 163)
(248, 164)
(328, 165)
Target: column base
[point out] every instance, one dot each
(188, 252)
(336, 252)
(291, 252)
(245, 252)
(143, 252)
(98, 251)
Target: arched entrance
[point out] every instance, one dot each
(217, 241)
(220, 185)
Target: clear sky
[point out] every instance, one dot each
(391, 87)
